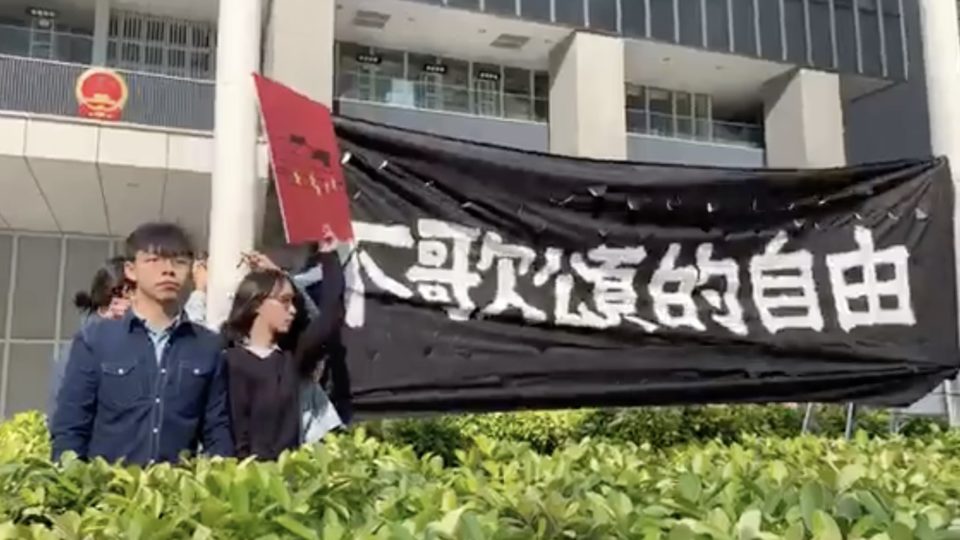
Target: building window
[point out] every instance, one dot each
(45, 271)
(154, 44)
(430, 82)
(684, 115)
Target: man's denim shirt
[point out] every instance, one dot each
(119, 402)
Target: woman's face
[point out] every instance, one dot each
(278, 310)
(119, 305)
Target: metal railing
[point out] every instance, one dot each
(698, 129)
(435, 96)
(40, 44)
(48, 87)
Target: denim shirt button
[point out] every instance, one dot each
(196, 372)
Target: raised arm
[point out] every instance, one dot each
(327, 322)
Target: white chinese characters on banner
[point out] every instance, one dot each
(437, 282)
(871, 287)
(784, 290)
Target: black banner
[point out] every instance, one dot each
(486, 278)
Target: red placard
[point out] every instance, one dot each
(306, 165)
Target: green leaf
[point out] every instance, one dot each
(811, 500)
(778, 471)
(748, 526)
(448, 525)
(690, 487)
(681, 532)
(332, 528)
(719, 520)
(795, 532)
(824, 527)
(295, 527)
(202, 533)
(899, 531)
(470, 528)
(849, 476)
(874, 506)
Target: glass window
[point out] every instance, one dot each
(633, 18)
(636, 109)
(467, 4)
(6, 255)
(684, 113)
(517, 93)
(893, 38)
(846, 35)
(426, 74)
(569, 12)
(389, 83)
(501, 7)
(704, 116)
(538, 10)
(870, 38)
(770, 45)
(691, 23)
(744, 27)
(454, 86)
(820, 38)
(84, 257)
(796, 31)
(661, 111)
(30, 368)
(35, 293)
(603, 14)
(662, 20)
(354, 76)
(541, 93)
(718, 25)
(486, 89)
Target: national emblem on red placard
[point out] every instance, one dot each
(101, 94)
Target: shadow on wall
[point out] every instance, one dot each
(893, 123)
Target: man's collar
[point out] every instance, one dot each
(132, 321)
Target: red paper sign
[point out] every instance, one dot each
(306, 165)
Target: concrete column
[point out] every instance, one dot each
(940, 35)
(234, 183)
(588, 116)
(804, 120)
(101, 31)
(299, 47)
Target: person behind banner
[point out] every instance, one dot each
(274, 358)
(151, 385)
(107, 298)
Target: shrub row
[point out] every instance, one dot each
(354, 486)
(660, 427)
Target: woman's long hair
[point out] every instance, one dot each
(108, 283)
(255, 288)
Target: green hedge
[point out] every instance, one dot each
(660, 427)
(354, 486)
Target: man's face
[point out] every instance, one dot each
(158, 278)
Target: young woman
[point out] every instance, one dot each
(273, 356)
(107, 298)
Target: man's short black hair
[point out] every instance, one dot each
(163, 239)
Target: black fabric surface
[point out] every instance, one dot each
(408, 354)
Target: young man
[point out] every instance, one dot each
(150, 385)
